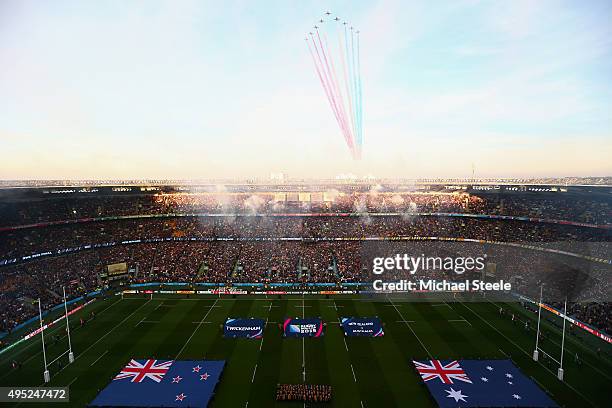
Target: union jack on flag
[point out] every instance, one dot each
(139, 370)
(445, 372)
(170, 383)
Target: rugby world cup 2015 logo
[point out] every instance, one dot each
(303, 327)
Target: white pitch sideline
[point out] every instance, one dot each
(103, 337)
(98, 359)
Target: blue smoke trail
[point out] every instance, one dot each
(354, 84)
(359, 99)
(351, 73)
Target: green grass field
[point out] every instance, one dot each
(368, 372)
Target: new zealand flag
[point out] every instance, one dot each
(162, 383)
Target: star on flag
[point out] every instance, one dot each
(456, 395)
(491, 383)
(162, 383)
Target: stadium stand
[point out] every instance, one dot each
(283, 242)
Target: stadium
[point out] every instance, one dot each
(155, 270)
(254, 204)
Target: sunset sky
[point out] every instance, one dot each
(206, 89)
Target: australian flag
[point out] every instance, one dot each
(480, 383)
(162, 383)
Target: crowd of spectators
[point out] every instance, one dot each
(32, 241)
(596, 314)
(284, 249)
(297, 261)
(66, 208)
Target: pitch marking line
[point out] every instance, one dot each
(460, 320)
(573, 341)
(460, 315)
(541, 386)
(103, 337)
(98, 359)
(196, 329)
(347, 349)
(58, 357)
(146, 321)
(410, 327)
(51, 330)
(303, 349)
(526, 353)
(270, 306)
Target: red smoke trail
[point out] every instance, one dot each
(347, 133)
(326, 80)
(337, 113)
(351, 73)
(323, 84)
(341, 48)
(339, 93)
(359, 99)
(331, 86)
(354, 78)
(327, 89)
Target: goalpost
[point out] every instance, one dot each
(46, 373)
(538, 349)
(70, 353)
